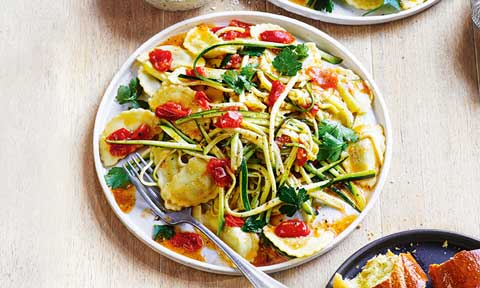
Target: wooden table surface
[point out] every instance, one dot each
(57, 229)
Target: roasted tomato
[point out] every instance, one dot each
(172, 111)
(161, 59)
(277, 36)
(142, 133)
(234, 62)
(282, 140)
(187, 240)
(200, 71)
(231, 119)
(217, 168)
(323, 78)
(121, 150)
(202, 100)
(233, 221)
(231, 35)
(292, 228)
(277, 90)
(301, 157)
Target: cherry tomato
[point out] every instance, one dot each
(231, 119)
(187, 240)
(292, 228)
(324, 78)
(277, 90)
(161, 59)
(314, 110)
(277, 36)
(202, 100)
(200, 70)
(121, 150)
(231, 35)
(217, 168)
(282, 140)
(172, 111)
(144, 132)
(234, 62)
(301, 157)
(232, 221)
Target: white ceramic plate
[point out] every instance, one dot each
(346, 15)
(141, 225)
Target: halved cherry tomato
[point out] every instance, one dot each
(189, 241)
(202, 100)
(277, 90)
(234, 62)
(161, 59)
(231, 35)
(231, 119)
(144, 132)
(301, 157)
(200, 70)
(172, 111)
(282, 140)
(121, 150)
(277, 36)
(232, 221)
(217, 168)
(314, 110)
(324, 78)
(292, 228)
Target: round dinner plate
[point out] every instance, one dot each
(346, 15)
(427, 247)
(137, 221)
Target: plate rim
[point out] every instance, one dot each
(164, 34)
(351, 20)
(406, 233)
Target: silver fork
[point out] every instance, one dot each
(476, 12)
(155, 202)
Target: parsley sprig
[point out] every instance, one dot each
(321, 5)
(293, 199)
(129, 94)
(253, 225)
(117, 177)
(288, 61)
(163, 232)
(240, 81)
(334, 139)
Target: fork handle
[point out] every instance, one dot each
(253, 274)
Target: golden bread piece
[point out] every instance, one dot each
(461, 271)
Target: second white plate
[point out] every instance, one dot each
(346, 15)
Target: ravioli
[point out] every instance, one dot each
(300, 246)
(365, 4)
(256, 30)
(200, 37)
(367, 153)
(149, 84)
(245, 244)
(184, 96)
(131, 120)
(186, 186)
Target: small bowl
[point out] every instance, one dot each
(177, 5)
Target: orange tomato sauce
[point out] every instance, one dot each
(125, 198)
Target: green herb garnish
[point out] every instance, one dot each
(117, 177)
(293, 200)
(387, 4)
(253, 225)
(252, 51)
(129, 94)
(288, 61)
(240, 81)
(163, 232)
(334, 139)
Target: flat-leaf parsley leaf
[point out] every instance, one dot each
(288, 61)
(334, 139)
(129, 94)
(117, 177)
(293, 200)
(163, 232)
(240, 81)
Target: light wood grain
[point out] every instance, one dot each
(58, 57)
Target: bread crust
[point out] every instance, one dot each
(461, 271)
(406, 274)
